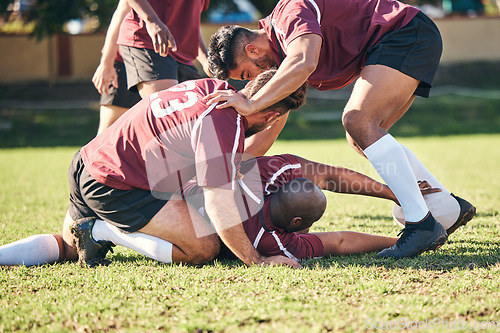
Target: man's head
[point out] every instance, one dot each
(239, 53)
(265, 118)
(297, 205)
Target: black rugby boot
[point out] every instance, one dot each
(417, 238)
(90, 252)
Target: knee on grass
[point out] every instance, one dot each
(205, 249)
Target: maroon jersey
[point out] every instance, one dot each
(265, 175)
(348, 28)
(182, 17)
(167, 139)
(270, 241)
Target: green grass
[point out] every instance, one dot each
(459, 284)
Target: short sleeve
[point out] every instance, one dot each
(294, 19)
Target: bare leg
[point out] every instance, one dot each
(149, 87)
(380, 97)
(108, 115)
(181, 225)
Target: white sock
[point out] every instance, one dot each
(421, 172)
(33, 250)
(152, 247)
(389, 159)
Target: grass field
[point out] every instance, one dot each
(454, 287)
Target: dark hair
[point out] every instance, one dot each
(291, 102)
(224, 47)
(300, 197)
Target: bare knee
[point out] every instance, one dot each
(354, 124)
(205, 249)
(352, 120)
(361, 128)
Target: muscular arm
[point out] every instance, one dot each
(350, 242)
(105, 72)
(157, 30)
(258, 144)
(300, 62)
(222, 211)
(342, 180)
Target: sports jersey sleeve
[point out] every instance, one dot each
(294, 19)
(218, 145)
(290, 244)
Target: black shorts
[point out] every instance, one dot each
(129, 210)
(120, 96)
(414, 50)
(144, 65)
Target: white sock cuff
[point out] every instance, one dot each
(380, 147)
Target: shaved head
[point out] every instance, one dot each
(297, 205)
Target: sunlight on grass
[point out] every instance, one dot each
(458, 283)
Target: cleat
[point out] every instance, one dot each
(467, 212)
(413, 242)
(91, 253)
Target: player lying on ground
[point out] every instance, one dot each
(127, 174)
(293, 201)
(290, 203)
(278, 235)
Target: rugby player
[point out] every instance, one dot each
(393, 51)
(279, 197)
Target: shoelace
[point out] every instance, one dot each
(405, 235)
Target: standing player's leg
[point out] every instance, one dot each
(147, 71)
(380, 93)
(108, 114)
(117, 101)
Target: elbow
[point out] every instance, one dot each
(309, 67)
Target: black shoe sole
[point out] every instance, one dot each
(466, 214)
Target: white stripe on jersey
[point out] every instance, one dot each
(248, 191)
(315, 5)
(278, 173)
(282, 248)
(235, 148)
(258, 238)
(203, 115)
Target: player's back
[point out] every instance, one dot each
(157, 139)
